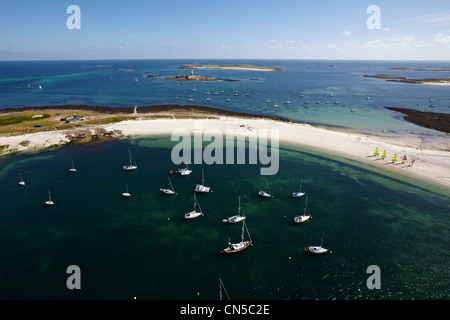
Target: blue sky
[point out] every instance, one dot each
(282, 29)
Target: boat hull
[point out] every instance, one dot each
(264, 194)
(128, 168)
(297, 194)
(201, 188)
(236, 247)
(300, 219)
(49, 203)
(192, 215)
(315, 250)
(234, 219)
(167, 191)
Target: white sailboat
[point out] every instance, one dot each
(185, 171)
(49, 202)
(317, 249)
(235, 218)
(266, 192)
(131, 166)
(21, 182)
(194, 214)
(236, 247)
(201, 187)
(73, 168)
(126, 193)
(169, 190)
(222, 287)
(303, 217)
(300, 193)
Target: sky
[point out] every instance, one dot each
(218, 29)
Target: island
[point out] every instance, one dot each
(193, 77)
(231, 66)
(431, 120)
(418, 69)
(387, 77)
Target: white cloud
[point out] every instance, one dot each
(346, 33)
(429, 18)
(442, 39)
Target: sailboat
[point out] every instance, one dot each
(236, 247)
(194, 214)
(248, 93)
(303, 217)
(404, 159)
(130, 166)
(235, 218)
(73, 168)
(168, 190)
(383, 155)
(126, 193)
(299, 193)
(185, 171)
(394, 158)
(201, 187)
(49, 202)
(266, 192)
(317, 249)
(21, 182)
(376, 153)
(222, 286)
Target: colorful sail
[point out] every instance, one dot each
(383, 155)
(376, 153)
(394, 158)
(404, 159)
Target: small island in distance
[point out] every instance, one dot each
(231, 66)
(410, 80)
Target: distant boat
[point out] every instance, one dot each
(194, 89)
(248, 93)
(222, 287)
(237, 247)
(201, 187)
(275, 106)
(40, 87)
(299, 193)
(383, 155)
(288, 101)
(131, 166)
(394, 158)
(185, 171)
(266, 192)
(303, 217)
(73, 168)
(376, 153)
(227, 99)
(126, 193)
(194, 214)
(268, 101)
(169, 190)
(368, 98)
(21, 182)
(236, 218)
(404, 159)
(49, 202)
(336, 102)
(317, 249)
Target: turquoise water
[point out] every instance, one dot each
(142, 247)
(75, 82)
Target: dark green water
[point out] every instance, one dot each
(142, 247)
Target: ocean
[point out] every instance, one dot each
(142, 247)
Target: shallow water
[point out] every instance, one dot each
(142, 247)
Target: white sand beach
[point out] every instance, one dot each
(431, 165)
